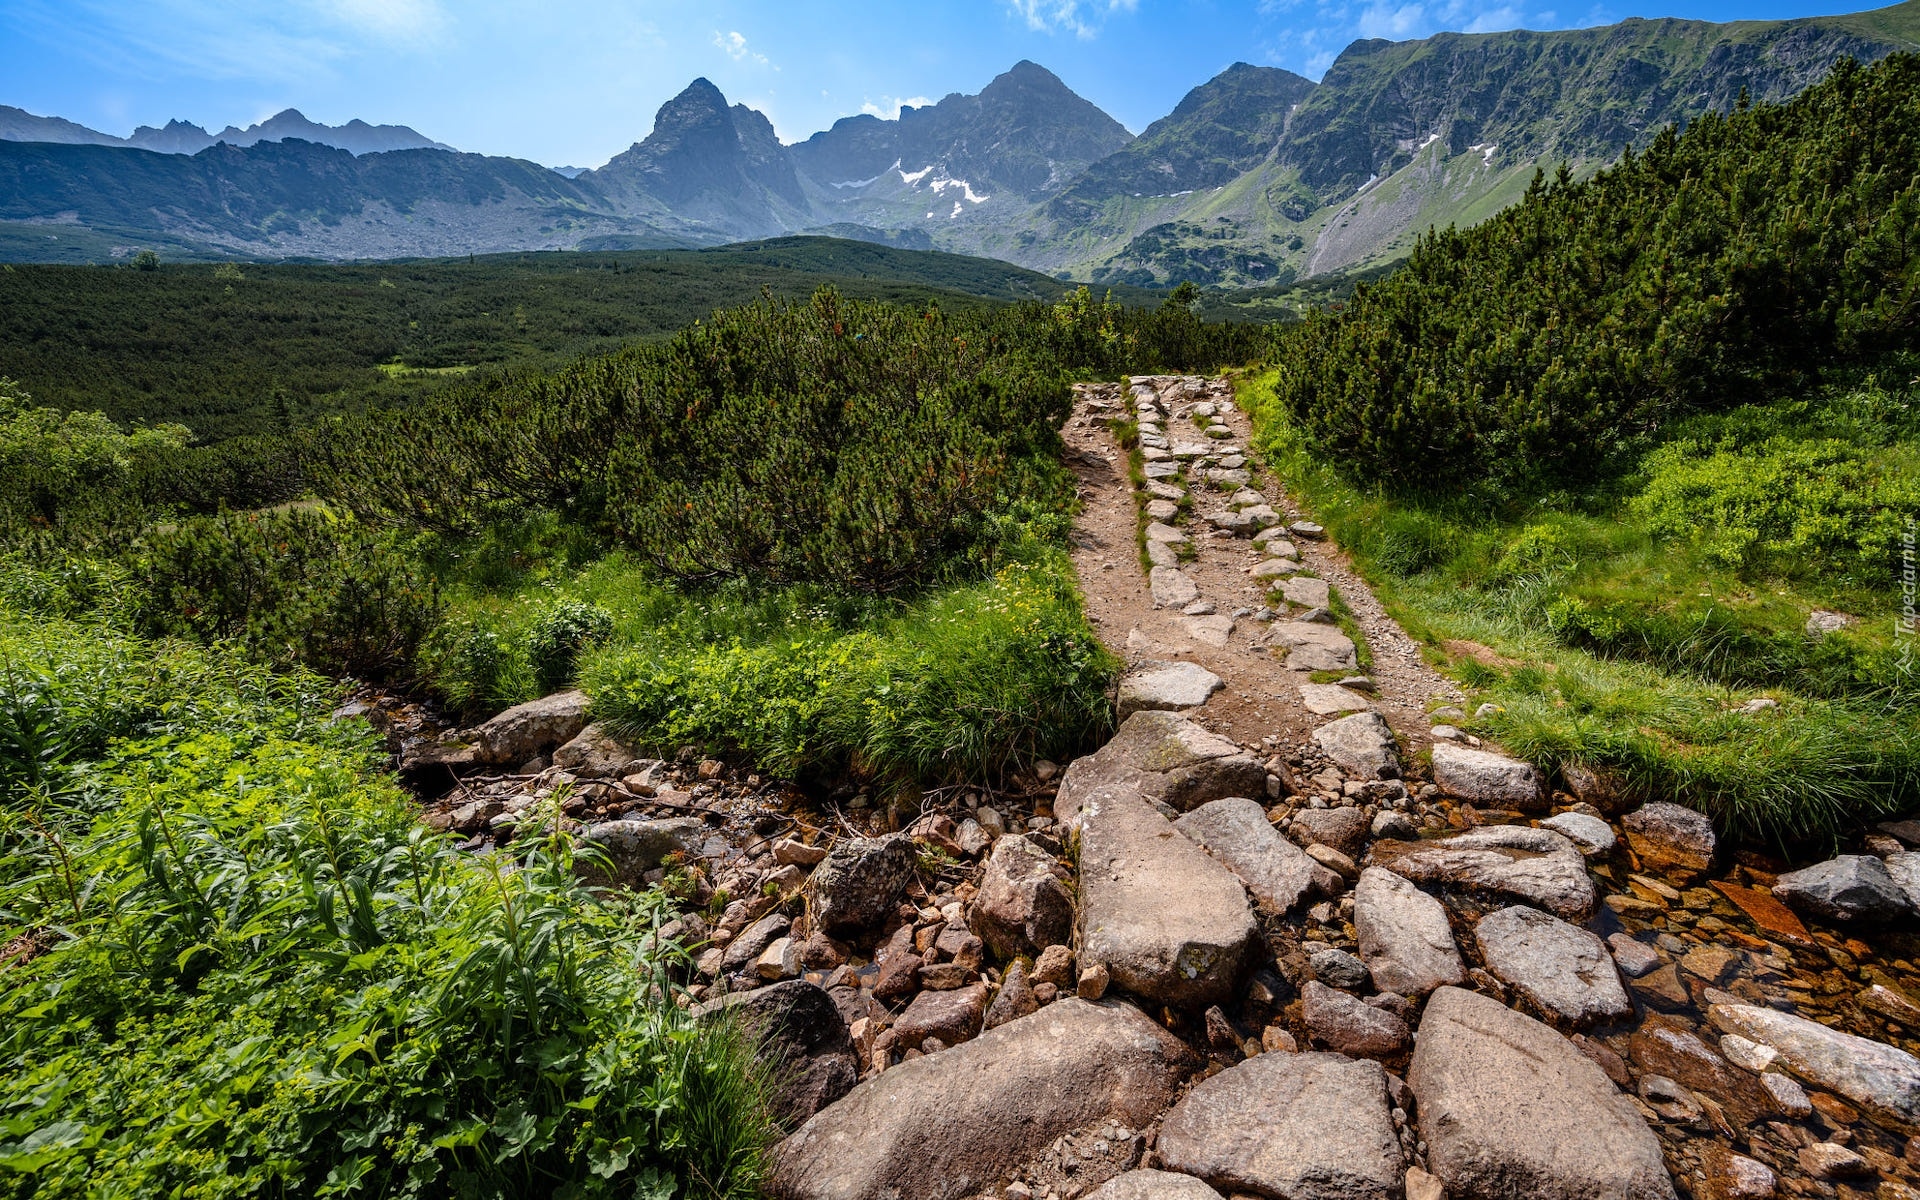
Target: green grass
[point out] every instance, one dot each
(1633, 650)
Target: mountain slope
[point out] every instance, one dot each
(180, 137)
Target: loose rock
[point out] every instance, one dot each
(1145, 1184)
(1535, 866)
(949, 1125)
(595, 753)
(1164, 757)
(1591, 835)
(529, 730)
(1483, 777)
(1852, 887)
(859, 882)
(799, 1026)
(1872, 1074)
(1021, 907)
(1344, 1024)
(635, 847)
(952, 1015)
(1564, 970)
(1312, 1126)
(1404, 936)
(1510, 1108)
(1237, 833)
(1361, 744)
(1166, 686)
(1669, 837)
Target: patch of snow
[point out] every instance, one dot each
(957, 207)
(1176, 195)
(1486, 149)
(1371, 180)
(1431, 139)
(914, 177)
(860, 183)
(941, 185)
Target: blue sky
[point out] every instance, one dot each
(575, 81)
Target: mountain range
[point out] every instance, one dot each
(1258, 176)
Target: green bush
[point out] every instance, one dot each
(298, 586)
(52, 462)
(234, 907)
(558, 636)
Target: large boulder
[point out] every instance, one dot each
(597, 753)
(526, 731)
(1278, 873)
(1164, 757)
(1404, 936)
(857, 885)
(1022, 907)
(799, 1029)
(1485, 778)
(1305, 1126)
(633, 848)
(1361, 745)
(1565, 971)
(1850, 888)
(1510, 1109)
(1874, 1075)
(1670, 837)
(1534, 866)
(956, 1123)
(1166, 686)
(1168, 922)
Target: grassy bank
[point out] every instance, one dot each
(1627, 626)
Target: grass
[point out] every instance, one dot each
(1617, 648)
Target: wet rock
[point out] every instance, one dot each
(1167, 921)
(1344, 1024)
(1670, 1099)
(1021, 907)
(1564, 970)
(1828, 1160)
(1172, 587)
(1733, 1176)
(1361, 744)
(1789, 1097)
(1872, 1074)
(1669, 837)
(953, 1124)
(1165, 757)
(1773, 918)
(529, 730)
(1510, 1108)
(1147, 1184)
(1237, 834)
(797, 1026)
(1312, 1126)
(1850, 888)
(1404, 936)
(1166, 686)
(1592, 836)
(1390, 823)
(952, 1015)
(1338, 969)
(1345, 828)
(633, 848)
(1485, 778)
(1635, 958)
(1669, 1046)
(1534, 866)
(1014, 1000)
(857, 885)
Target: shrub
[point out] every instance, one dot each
(561, 632)
(245, 913)
(52, 461)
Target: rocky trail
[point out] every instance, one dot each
(1289, 934)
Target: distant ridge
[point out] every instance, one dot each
(181, 137)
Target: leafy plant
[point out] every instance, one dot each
(558, 636)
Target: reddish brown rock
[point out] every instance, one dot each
(953, 1016)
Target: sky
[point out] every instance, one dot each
(573, 82)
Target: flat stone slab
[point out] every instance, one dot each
(1564, 970)
(1313, 1126)
(1148, 1184)
(1170, 923)
(1210, 630)
(953, 1124)
(1161, 470)
(1172, 588)
(1160, 554)
(1162, 510)
(1483, 777)
(1404, 936)
(1593, 836)
(1166, 686)
(1163, 757)
(1275, 568)
(1311, 646)
(1510, 1108)
(1361, 744)
(1534, 866)
(1307, 592)
(1872, 1074)
(1330, 699)
(1236, 832)
(1158, 531)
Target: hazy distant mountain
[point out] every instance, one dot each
(1257, 176)
(181, 137)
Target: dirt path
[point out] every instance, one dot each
(1240, 626)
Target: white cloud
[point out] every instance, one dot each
(1495, 19)
(1384, 21)
(888, 109)
(388, 20)
(734, 46)
(1082, 18)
